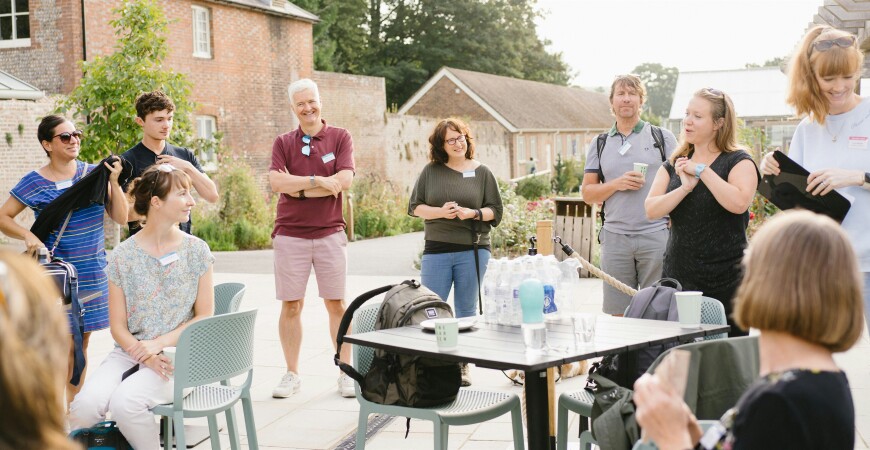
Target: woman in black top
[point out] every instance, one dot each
(805, 311)
(706, 187)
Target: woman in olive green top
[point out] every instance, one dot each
(456, 195)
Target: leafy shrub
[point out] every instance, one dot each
(533, 188)
(565, 179)
(519, 222)
(379, 209)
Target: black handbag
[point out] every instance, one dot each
(102, 436)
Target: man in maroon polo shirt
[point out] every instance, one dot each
(311, 166)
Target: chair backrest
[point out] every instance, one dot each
(214, 349)
(228, 297)
(719, 372)
(712, 312)
(364, 320)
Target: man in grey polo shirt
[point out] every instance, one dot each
(632, 247)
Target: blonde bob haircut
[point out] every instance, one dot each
(631, 82)
(722, 111)
(802, 278)
(34, 341)
(807, 63)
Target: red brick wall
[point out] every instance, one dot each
(443, 100)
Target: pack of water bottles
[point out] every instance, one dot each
(501, 287)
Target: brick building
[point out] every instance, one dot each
(240, 55)
(539, 120)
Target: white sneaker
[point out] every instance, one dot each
(288, 386)
(345, 386)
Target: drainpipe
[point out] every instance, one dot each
(84, 44)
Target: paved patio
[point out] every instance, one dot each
(318, 418)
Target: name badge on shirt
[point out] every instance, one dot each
(328, 157)
(168, 259)
(468, 174)
(63, 184)
(624, 148)
(713, 436)
(858, 142)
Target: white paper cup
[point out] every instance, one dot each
(447, 333)
(689, 308)
(169, 352)
(640, 167)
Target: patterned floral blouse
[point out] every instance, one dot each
(159, 298)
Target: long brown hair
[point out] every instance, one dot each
(722, 108)
(804, 93)
(34, 339)
(436, 139)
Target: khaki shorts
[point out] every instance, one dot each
(294, 258)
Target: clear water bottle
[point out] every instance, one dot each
(490, 280)
(519, 273)
(544, 273)
(503, 293)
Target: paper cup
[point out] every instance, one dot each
(640, 167)
(689, 308)
(447, 333)
(169, 352)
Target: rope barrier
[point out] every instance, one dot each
(616, 284)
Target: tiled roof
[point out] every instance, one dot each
(12, 88)
(523, 105)
(758, 92)
(283, 7)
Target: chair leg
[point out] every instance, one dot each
(213, 432)
(441, 432)
(517, 425)
(250, 427)
(166, 424)
(178, 423)
(232, 428)
(586, 441)
(362, 423)
(562, 427)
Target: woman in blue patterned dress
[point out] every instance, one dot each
(82, 243)
(160, 281)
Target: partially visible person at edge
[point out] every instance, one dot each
(154, 113)
(833, 140)
(160, 281)
(706, 186)
(455, 194)
(83, 240)
(32, 358)
(806, 311)
(311, 167)
(632, 246)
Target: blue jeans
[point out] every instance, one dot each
(441, 270)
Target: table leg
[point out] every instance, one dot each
(538, 412)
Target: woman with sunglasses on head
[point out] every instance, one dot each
(458, 198)
(160, 281)
(82, 243)
(833, 140)
(706, 187)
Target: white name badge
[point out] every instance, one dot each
(63, 184)
(858, 142)
(624, 148)
(328, 157)
(168, 259)
(468, 174)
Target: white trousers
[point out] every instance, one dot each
(129, 402)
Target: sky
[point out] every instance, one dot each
(602, 38)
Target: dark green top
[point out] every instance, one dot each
(439, 184)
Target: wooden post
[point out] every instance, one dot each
(544, 234)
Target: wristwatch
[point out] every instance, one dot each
(302, 195)
(866, 184)
(698, 169)
(311, 179)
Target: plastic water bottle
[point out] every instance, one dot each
(503, 295)
(531, 293)
(544, 272)
(518, 274)
(490, 280)
(569, 286)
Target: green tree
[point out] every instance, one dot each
(660, 82)
(773, 62)
(105, 97)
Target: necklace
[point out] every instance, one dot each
(836, 135)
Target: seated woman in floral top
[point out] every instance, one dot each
(802, 289)
(160, 281)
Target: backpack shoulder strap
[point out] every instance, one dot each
(659, 140)
(602, 140)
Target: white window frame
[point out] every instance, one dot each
(521, 149)
(206, 126)
(16, 16)
(201, 32)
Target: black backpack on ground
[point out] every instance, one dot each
(656, 302)
(102, 436)
(397, 379)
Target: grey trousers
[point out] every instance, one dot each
(634, 259)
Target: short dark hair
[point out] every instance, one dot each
(436, 140)
(45, 131)
(149, 102)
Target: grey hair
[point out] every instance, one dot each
(302, 85)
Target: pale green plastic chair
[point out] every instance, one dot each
(228, 297)
(470, 406)
(212, 350)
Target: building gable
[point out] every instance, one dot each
(445, 99)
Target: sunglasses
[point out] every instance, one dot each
(306, 150)
(66, 136)
(161, 168)
(715, 92)
(460, 138)
(842, 42)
